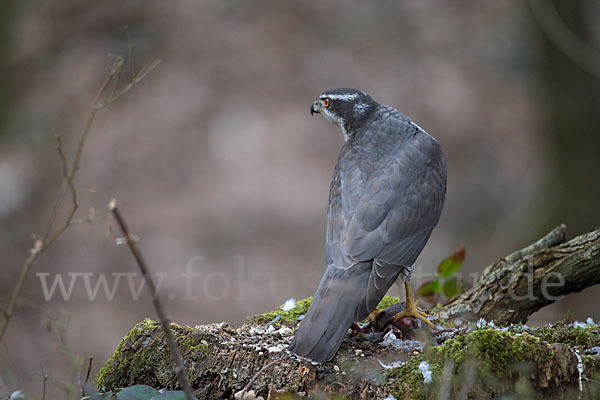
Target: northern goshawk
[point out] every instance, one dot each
(386, 196)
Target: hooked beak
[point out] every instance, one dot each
(314, 108)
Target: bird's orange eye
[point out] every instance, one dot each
(326, 102)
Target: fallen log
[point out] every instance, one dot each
(516, 286)
(461, 359)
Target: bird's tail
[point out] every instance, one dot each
(336, 304)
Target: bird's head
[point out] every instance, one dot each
(344, 107)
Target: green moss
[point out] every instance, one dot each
(115, 362)
(498, 350)
(491, 354)
(109, 366)
(192, 347)
(151, 362)
(592, 374)
(494, 362)
(387, 301)
(291, 317)
(408, 381)
(148, 324)
(567, 334)
(452, 349)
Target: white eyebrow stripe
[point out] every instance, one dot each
(340, 96)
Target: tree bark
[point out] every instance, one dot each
(477, 360)
(514, 287)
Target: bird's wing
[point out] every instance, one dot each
(386, 213)
(379, 220)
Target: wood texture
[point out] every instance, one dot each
(514, 287)
(484, 361)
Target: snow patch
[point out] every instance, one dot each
(289, 305)
(393, 364)
(425, 370)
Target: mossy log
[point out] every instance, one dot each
(464, 359)
(516, 286)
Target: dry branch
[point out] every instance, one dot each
(84, 383)
(571, 45)
(166, 324)
(48, 236)
(513, 288)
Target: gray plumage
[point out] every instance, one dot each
(386, 196)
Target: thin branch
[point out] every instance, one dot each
(68, 181)
(87, 377)
(46, 239)
(260, 371)
(12, 304)
(555, 237)
(89, 219)
(8, 377)
(117, 80)
(572, 46)
(44, 381)
(130, 53)
(133, 246)
(59, 324)
(75, 166)
(514, 287)
(149, 67)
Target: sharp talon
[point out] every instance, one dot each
(428, 322)
(398, 317)
(414, 313)
(411, 310)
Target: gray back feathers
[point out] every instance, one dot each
(386, 196)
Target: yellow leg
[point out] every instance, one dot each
(373, 315)
(410, 308)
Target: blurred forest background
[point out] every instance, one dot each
(217, 163)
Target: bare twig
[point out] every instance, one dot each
(117, 80)
(67, 183)
(130, 53)
(557, 236)
(8, 377)
(44, 381)
(48, 237)
(150, 65)
(59, 324)
(260, 371)
(580, 52)
(89, 219)
(179, 366)
(87, 377)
